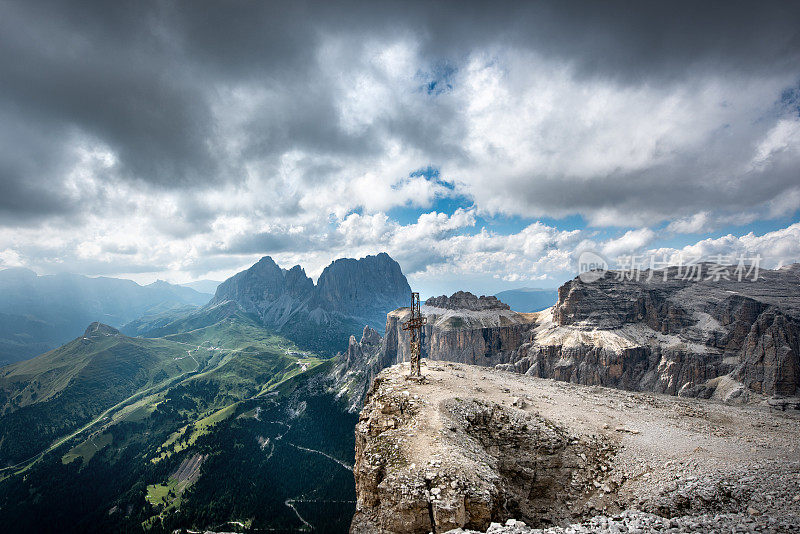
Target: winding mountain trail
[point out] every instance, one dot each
(328, 456)
(290, 504)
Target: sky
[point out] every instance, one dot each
(483, 146)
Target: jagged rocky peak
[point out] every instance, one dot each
(297, 282)
(349, 294)
(464, 300)
(264, 281)
(360, 287)
(359, 351)
(97, 329)
(352, 287)
(370, 336)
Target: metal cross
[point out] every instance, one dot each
(414, 327)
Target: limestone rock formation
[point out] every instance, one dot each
(727, 339)
(481, 337)
(356, 369)
(349, 294)
(471, 446)
(485, 336)
(464, 300)
(367, 288)
(670, 335)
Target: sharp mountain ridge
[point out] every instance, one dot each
(364, 288)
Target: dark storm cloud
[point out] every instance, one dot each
(626, 38)
(107, 75)
(632, 40)
(273, 242)
(30, 152)
(141, 78)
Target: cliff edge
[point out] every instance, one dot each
(732, 340)
(472, 447)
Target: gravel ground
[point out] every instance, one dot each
(679, 465)
(632, 521)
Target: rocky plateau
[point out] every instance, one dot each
(477, 449)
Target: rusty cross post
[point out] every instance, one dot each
(414, 327)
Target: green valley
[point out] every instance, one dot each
(230, 416)
(142, 433)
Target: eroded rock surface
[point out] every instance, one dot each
(669, 335)
(736, 341)
(464, 300)
(470, 446)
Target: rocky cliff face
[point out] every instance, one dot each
(472, 446)
(367, 288)
(464, 300)
(722, 338)
(487, 334)
(349, 294)
(672, 336)
(358, 366)
(480, 337)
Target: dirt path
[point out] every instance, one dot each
(328, 456)
(290, 504)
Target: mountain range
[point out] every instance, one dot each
(39, 313)
(734, 340)
(115, 432)
(321, 317)
(240, 414)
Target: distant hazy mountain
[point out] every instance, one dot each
(39, 313)
(348, 295)
(203, 286)
(528, 299)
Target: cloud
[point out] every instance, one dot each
(174, 137)
(697, 223)
(630, 242)
(776, 248)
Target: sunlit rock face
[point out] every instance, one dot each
(478, 337)
(702, 337)
(472, 448)
(666, 334)
(464, 300)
